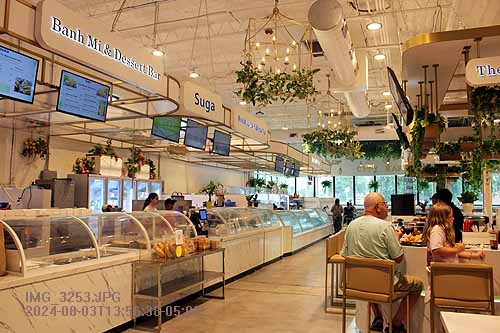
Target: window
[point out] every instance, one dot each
(305, 186)
(386, 187)
(344, 189)
(407, 185)
(425, 194)
(456, 189)
(362, 188)
(495, 189)
(324, 192)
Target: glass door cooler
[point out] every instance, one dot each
(114, 192)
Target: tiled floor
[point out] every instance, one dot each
(286, 296)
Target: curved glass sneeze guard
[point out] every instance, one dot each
(323, 215)
(35, 242)
(157, 228)
(314, 217)
(289, 218)
(227, 221)
(178, 221)
(268, 218)
(117, 233)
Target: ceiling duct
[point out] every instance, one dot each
(330, 27)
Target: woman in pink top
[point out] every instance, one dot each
(440, 237)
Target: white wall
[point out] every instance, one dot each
(177, 175)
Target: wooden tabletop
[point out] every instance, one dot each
(454, 322)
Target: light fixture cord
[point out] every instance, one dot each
(210, 40)
(155, 25)
(195, 34)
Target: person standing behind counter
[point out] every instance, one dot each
(337, 215)
(151, 202)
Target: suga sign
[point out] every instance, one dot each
(483, 71)
(202, 102)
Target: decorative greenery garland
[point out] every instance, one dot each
(35, 148)
(84, 165)
(100, 150)
(333, 144)
(387, 150)
(265, 87)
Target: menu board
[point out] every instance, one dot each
(168, 128)
(279, 164)
(296, 169)
(17, 75)
(196, 135)
(82, 97)
(222, 143)
(288, 168)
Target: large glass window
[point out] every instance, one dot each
(305, 186)
(407, 185)
(386, 187)
(425, 194)
(324, 191)
(495, 189)
(344, 189)
(456, 189)
(362, 188)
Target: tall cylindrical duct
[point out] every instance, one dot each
(327, 20)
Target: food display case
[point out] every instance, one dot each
(268, 218)
(323, 215)
(36, 242)
(157, 228)
(314, 219)
(228, 220)
(117, 233)
(178, 221)
(290, 219)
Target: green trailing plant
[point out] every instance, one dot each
(256, 182)
(211, 188)
(283, 186)
(152, 169)
(472, 166)
(263, 87)
(453, 169)
(135, 161)
(485, 106)
(430, 169)
(35, 148)
(100, 150)
(333, 144)
(373, 186)
(467, 197)
(386, 150)
(326, 184)
(270, 184)
(423, 184)
(448, 148)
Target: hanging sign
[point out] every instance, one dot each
(61, 30)
(483, 71)
(249, 125)
(201, 102)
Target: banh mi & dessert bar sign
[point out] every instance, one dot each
(61, 30)
(483, 71)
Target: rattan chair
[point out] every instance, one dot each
(334, 260)
(461, 287)
(372, 281)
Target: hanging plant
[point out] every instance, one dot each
(386, 150)
(263, 87)
(84, 165)
(333, 144)
(100, 150)
(135, 161)
(35, 148)
(152, 169)
(373, 186)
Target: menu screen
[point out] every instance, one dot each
(288, 168)
(196, 135)
(82, 97)
(17, 75)
(296, 169)
(168, 128)
(222, 143)
(279, 164)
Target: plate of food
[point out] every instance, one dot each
(412, 240)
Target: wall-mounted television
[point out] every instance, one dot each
(17, 75)
(296, 169)
(403, 139)
(168, 128)
(400, 98)
(221, 143)
(279, 164)
(81, 97)
(196, 135)
(403, 204)
(288, 168)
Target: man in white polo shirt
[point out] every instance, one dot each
(369, 236)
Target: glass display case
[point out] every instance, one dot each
(178, 221)
(114, 192)
(97, 194)
(156, 187)
(289, 218)
(305, 221)
(314, 217)
(268, 218)
(128, 195)
(142, 190)
(323, 215)
(117, 233)
(229, 220)
(36, 242)
(156, 227)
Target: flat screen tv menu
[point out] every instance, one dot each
(17, 75)
(82, 97)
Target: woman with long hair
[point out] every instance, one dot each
(337, 215)
(151, 202)
(440, 237)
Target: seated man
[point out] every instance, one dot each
(369, 236)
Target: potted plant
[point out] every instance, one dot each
(283, 187)
(326, 184)
(333, 144)
(373, 185)
(467, 199)
(152, 169)
(210, 189)
(449, 151)
(84, 165)
(35, 148)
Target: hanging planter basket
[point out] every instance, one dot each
(449, 157)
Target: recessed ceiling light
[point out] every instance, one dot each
(386, 93)
(194, 74)
(379, 56)
(496, 121)
(388, 106)
(284, 128)
(243, 103)
(157, 53)
(374, 26)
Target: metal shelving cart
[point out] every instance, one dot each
(155, 285)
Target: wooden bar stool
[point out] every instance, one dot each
(334, 246)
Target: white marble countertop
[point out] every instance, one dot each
(54, 272)
(454, 322)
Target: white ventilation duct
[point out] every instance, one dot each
(327, 20)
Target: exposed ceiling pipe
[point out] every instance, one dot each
(327, 20)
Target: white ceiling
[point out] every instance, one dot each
(217, 49)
